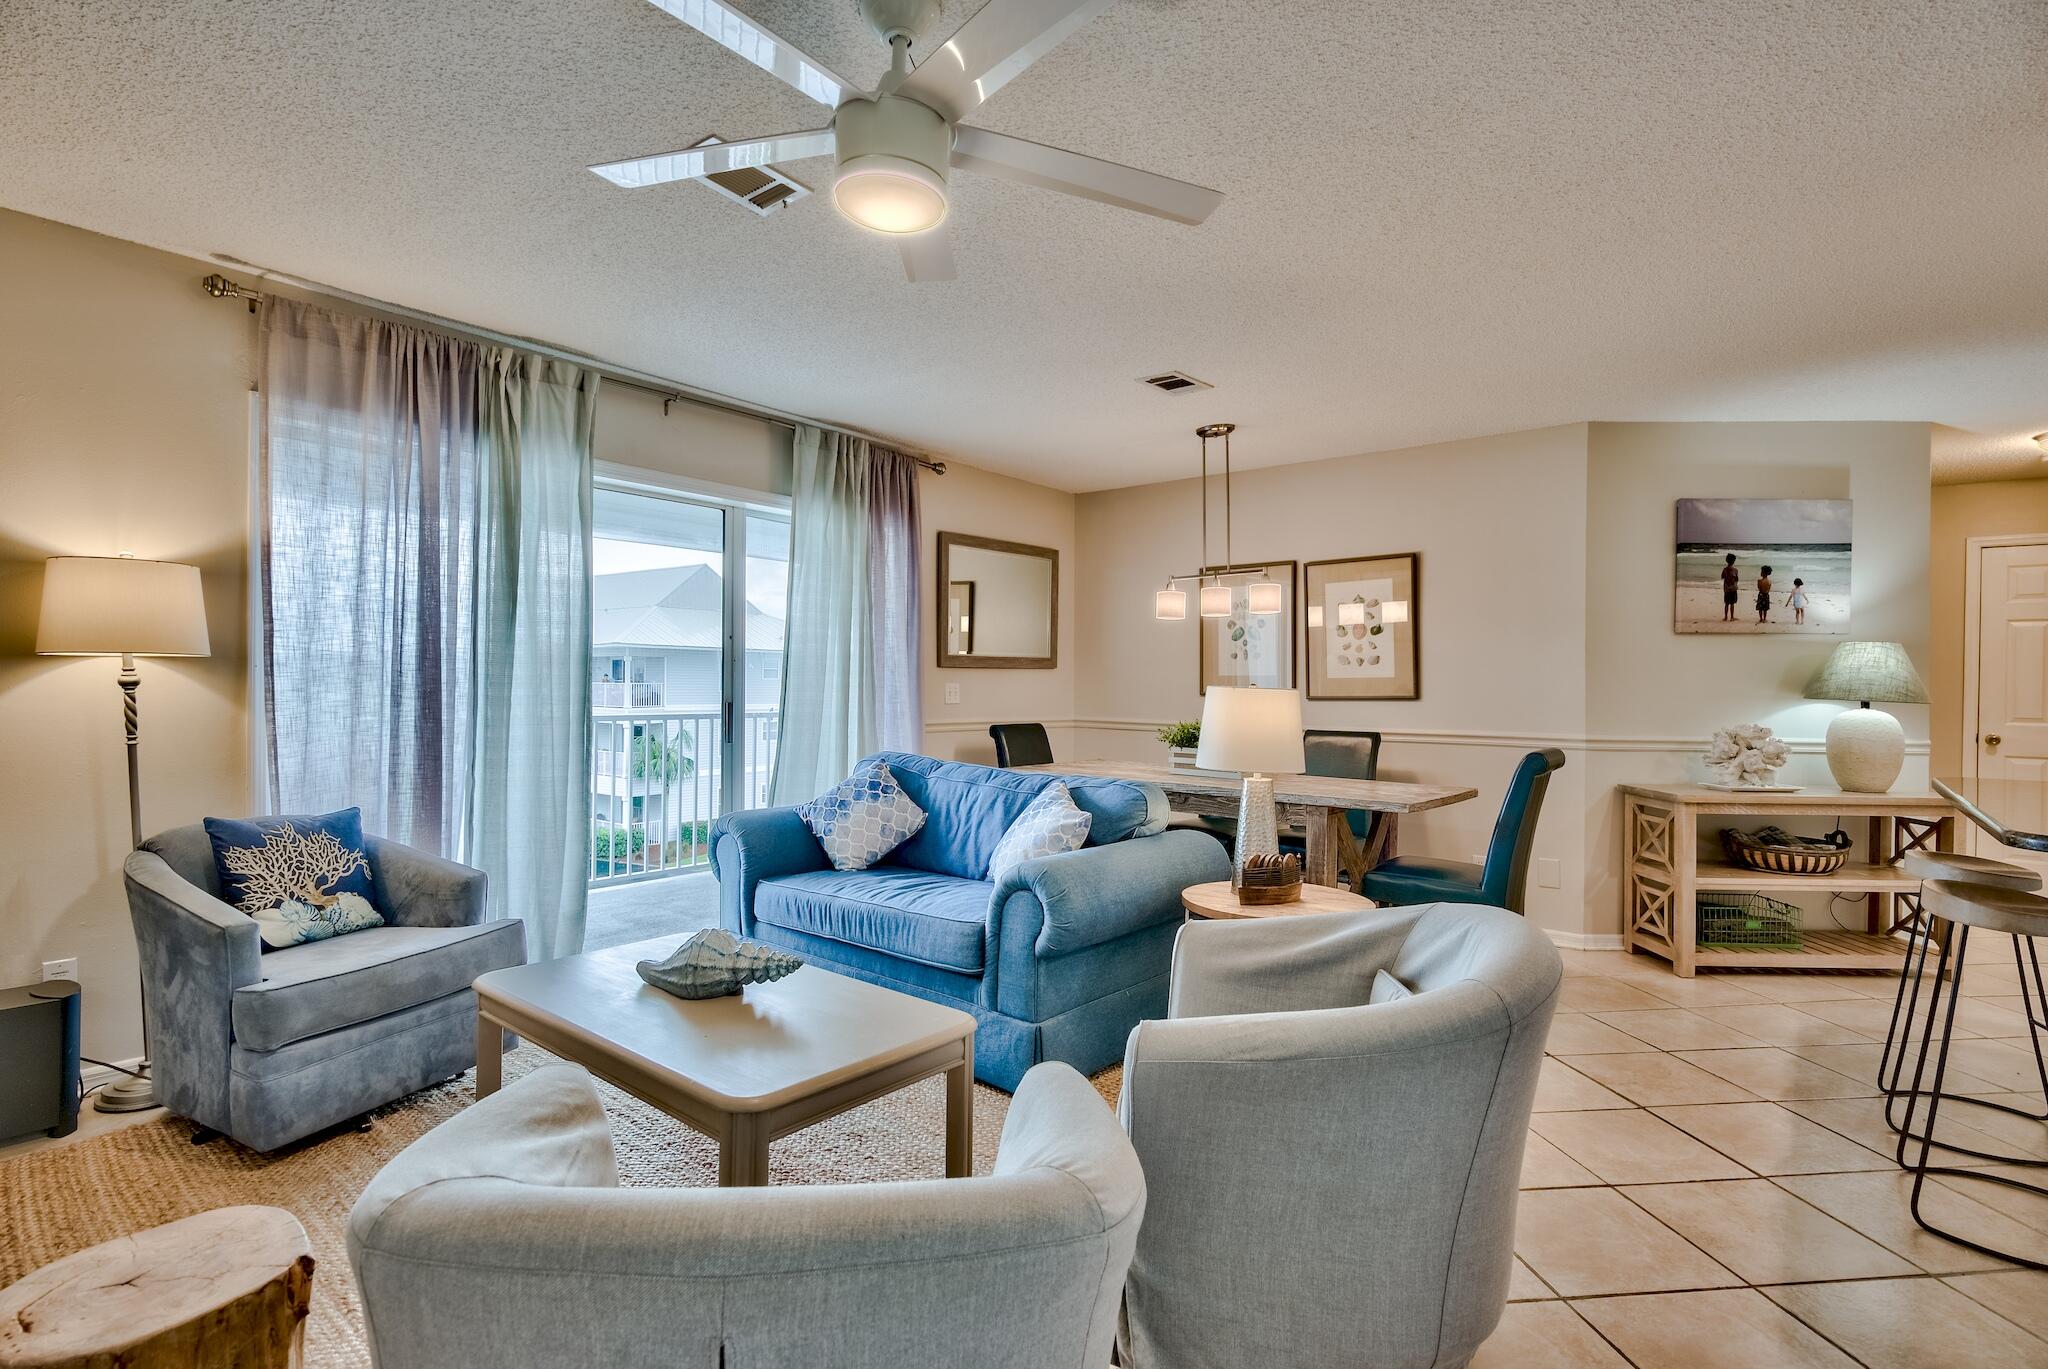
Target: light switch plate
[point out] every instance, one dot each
(1549, 873)
(952, 693)
(61, 969)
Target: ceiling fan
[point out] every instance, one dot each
(895, 144)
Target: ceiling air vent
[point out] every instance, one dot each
(1176, 383)
(763, 189)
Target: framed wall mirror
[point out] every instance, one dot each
(999, 604)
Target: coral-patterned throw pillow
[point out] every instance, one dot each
(301, 878)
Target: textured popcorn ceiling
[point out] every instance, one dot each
(1445, 217)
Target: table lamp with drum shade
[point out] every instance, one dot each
(1866, 746)
(121, 606)
(1256, 732)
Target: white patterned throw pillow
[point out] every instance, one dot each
(1050, 825)
(862, 818)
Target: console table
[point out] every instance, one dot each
(1666, 872)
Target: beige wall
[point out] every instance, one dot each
(969, 500)
(1500, 525)
(1653, 696)
(123, 428)
(1546, 608)
(1998, 508)
(690, 441)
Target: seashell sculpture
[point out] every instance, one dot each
(714, 963)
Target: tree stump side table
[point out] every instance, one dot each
(226, 1289)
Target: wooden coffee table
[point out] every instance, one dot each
(744, 1070)
(1220, 901)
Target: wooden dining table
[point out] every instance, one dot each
(1318, 804)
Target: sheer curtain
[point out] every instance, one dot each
(851, 682)
(425, 597)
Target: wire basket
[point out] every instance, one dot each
(1747, 920)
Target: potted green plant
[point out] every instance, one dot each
(1182, 739)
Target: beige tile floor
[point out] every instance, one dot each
(1709, 1181)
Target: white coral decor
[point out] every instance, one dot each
(1746, 755)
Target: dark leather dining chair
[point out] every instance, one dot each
(1338, 755)
(1020, 744)
(1502, 881)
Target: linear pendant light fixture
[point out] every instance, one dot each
(1215, 598)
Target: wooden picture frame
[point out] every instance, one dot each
(1270, 638)
(951, 541)
(1371, 659)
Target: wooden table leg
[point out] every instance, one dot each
(743, 1153)
(960, 1115)
(490, 1055)
(1323, 846)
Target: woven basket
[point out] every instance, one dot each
(1776, 851)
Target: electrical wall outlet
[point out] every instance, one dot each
(1549, 873)
(61, 969)
(952, 693)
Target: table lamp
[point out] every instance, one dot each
(1256, 732)
(119, 606)
(1866, 746)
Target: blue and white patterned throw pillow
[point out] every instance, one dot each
(301, 878)
(863, 818)
(1050, 825)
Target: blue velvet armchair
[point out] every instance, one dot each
(1058, 961)
(270, 1047)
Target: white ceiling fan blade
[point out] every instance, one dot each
(691, 162)
(928, 255)
(1070, 173)
(990, 49)
(729, 28)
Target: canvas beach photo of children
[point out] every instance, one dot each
(1762, 566)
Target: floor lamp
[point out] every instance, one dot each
(119, 606)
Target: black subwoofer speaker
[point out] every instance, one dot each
(39, 1059)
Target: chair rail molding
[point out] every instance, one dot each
(1520, 741)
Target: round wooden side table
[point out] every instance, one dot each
(1220, 901)
(226, 1289)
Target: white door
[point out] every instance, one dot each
(2012, 681)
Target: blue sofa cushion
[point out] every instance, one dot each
(913, 915)
(322, 986)
(969, 807)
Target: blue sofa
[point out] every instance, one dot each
(1057, 962)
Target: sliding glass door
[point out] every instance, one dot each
(688, 598)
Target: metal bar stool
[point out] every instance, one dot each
(1959, 869)
(1966, 907)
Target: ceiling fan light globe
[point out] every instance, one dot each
(889, 194)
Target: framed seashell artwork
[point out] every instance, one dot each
(1363, 639)
(1247, 648)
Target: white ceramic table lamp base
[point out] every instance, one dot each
(1866, 746)
(1256, 732)
(1866, 750)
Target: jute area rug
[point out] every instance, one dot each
(58, 1200)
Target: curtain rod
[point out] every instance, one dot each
(670, 391)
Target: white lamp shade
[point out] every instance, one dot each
(1394, 611)
(1215, 601)
(119, 606)
(1264, 597)
(1170, 603)
(1251, 731)
(1315, 615)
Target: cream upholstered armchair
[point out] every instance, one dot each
(501, 1238)
(1332, 1181)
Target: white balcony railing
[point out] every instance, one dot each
(657, 784)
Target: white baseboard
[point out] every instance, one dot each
(1584, 941)
(93, 1076)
